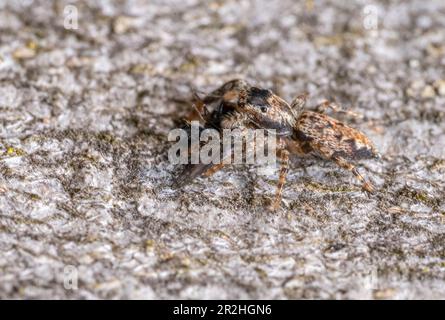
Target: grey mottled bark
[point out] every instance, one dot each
(84, 174)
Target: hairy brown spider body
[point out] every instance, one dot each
(299, 132)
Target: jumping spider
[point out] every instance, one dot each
(298, 131)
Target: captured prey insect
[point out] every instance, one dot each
(223, 116)
(298, 131)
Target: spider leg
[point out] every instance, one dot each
(343, 163)
(283, 156)
(325, 105)
(199, 110)
(214, 169)
(218, 94)
(299, 102)
(218, 166)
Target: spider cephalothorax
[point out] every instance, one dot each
(267, 110)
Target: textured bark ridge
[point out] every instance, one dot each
(85, 179)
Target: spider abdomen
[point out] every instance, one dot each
(329, 137)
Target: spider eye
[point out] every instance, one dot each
(263, 109)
